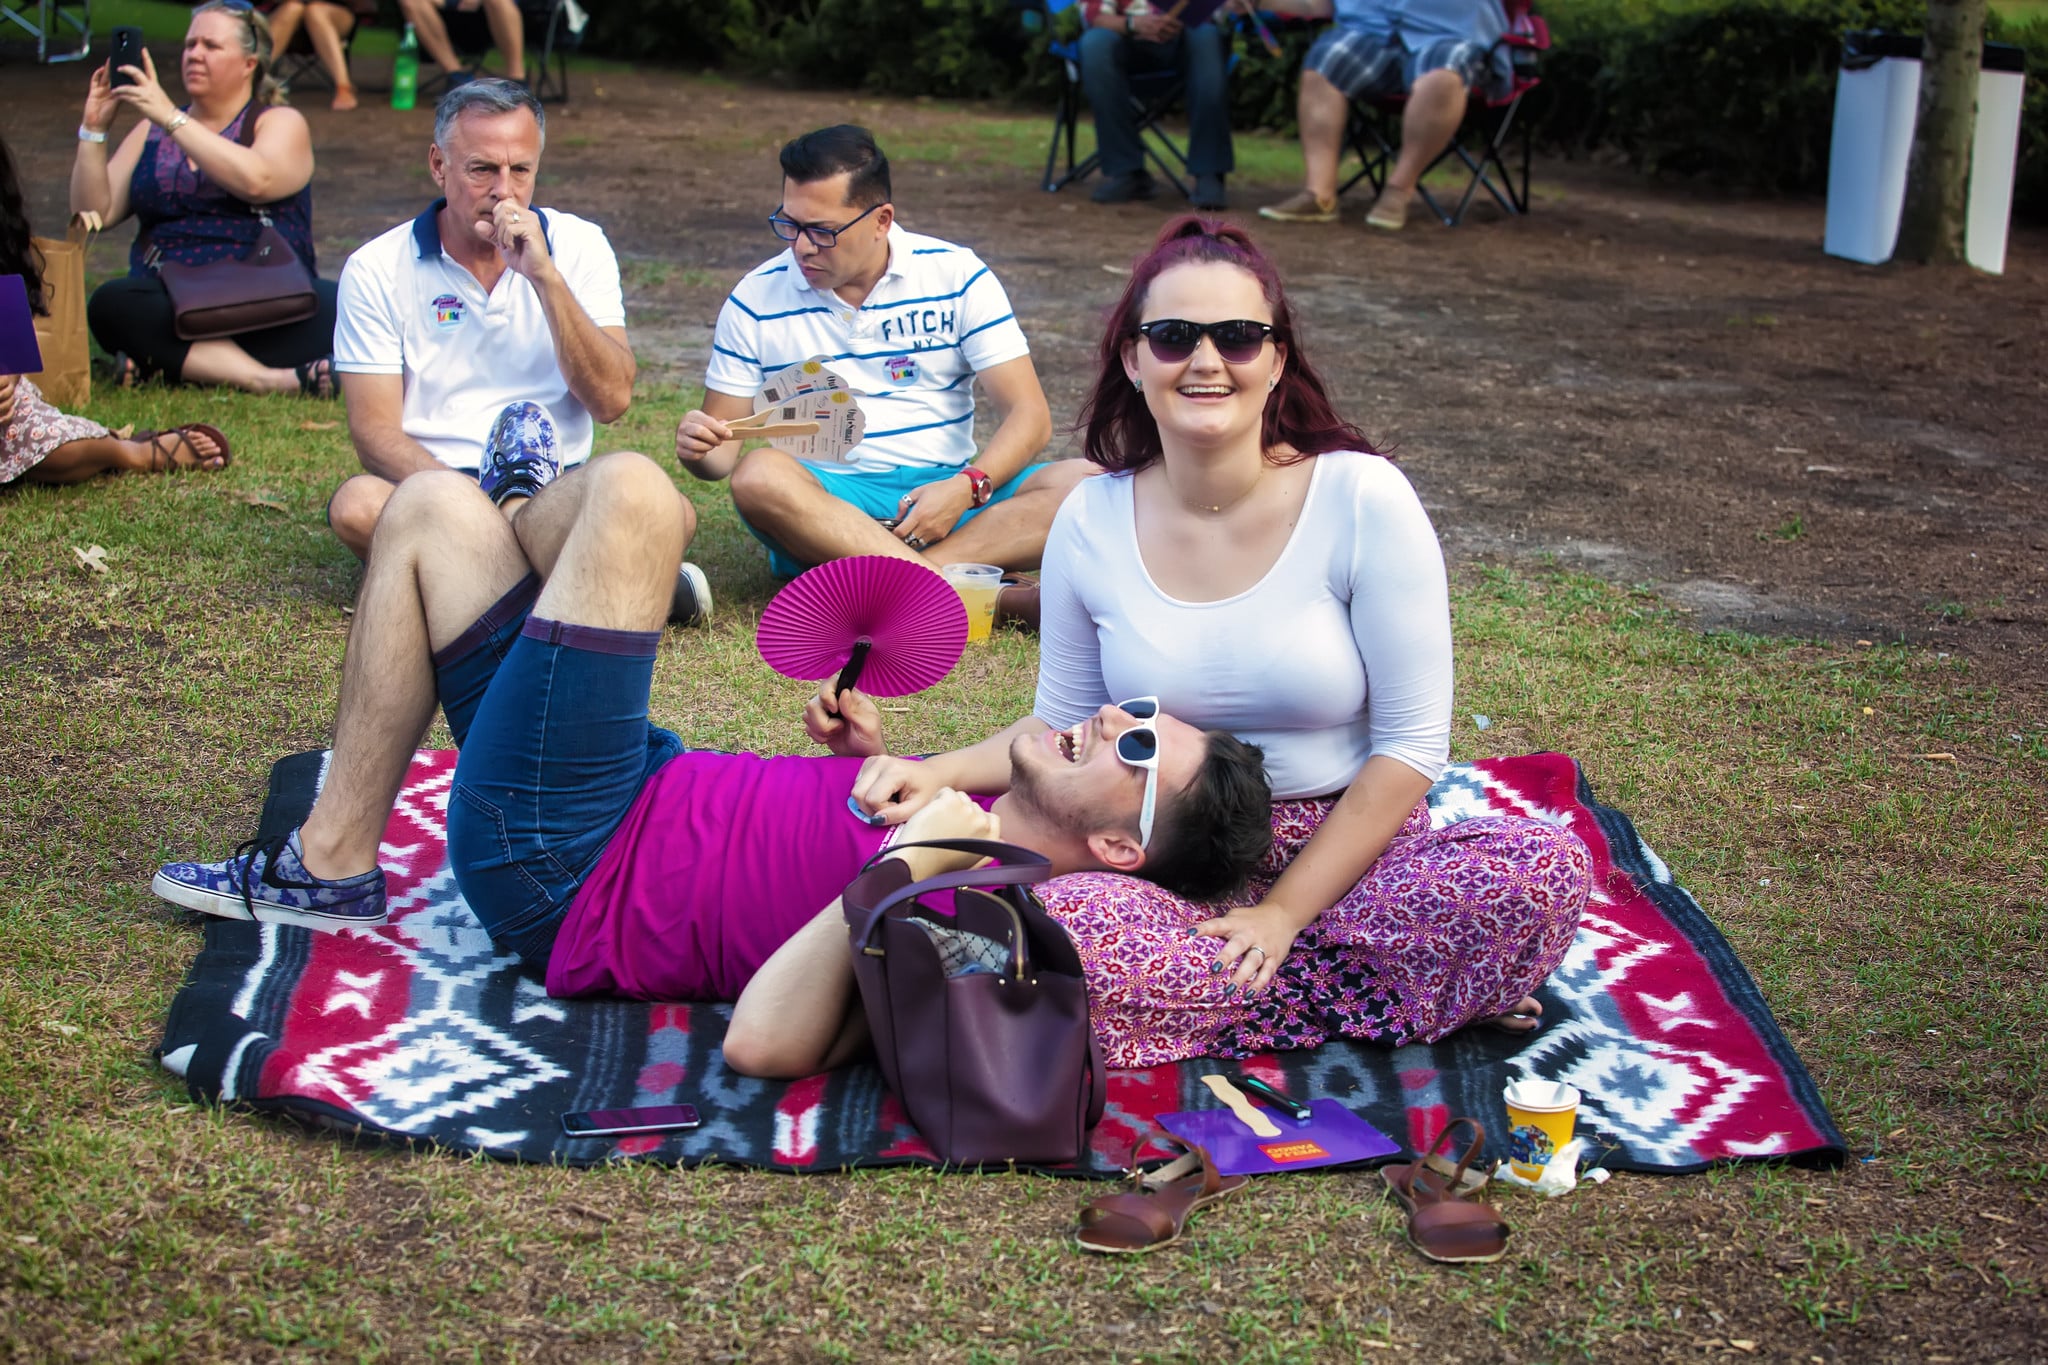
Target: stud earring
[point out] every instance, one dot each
(1137, 386)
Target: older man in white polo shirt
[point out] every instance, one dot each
(485, 335)
(910, 323)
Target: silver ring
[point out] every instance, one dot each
(1255, 948)
(914, 542)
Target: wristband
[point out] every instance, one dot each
(86, 134)
(984, 486)
(175, 124)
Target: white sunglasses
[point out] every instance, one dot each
(1138, 747)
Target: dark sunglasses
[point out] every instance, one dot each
(1138, 747)
(1174, 339)
(824, 238)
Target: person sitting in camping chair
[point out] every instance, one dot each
(1134, 37)
(1434, 52)
(430, 20)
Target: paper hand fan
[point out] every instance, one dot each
(889, 626)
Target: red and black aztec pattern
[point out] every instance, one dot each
(422, 1032)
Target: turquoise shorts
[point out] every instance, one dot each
(879, 494)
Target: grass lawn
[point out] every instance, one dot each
(1864, 822)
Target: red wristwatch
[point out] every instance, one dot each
(984, 486)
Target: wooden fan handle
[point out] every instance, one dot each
(775, 430)
(1249, 1114)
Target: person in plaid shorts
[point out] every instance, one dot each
(1436, 52)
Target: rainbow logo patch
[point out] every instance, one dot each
(901, 369)
(447, 311)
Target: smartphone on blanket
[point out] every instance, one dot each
(657, 1118)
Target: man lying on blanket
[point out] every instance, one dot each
(589, 842)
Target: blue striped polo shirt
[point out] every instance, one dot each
(910, 351)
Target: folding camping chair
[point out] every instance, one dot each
(1482, 141)
(52, 24)
(554, 29)
(1153, 96)
(299, 64)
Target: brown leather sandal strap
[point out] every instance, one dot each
(1472, 1150)
(1154, 1223)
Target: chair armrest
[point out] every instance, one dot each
(1531, 34)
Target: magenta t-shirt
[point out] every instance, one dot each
(721, 859)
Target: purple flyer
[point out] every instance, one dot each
(19, 351)
(1331, 1136)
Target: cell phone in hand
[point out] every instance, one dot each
(126, 51)
(657, 1118)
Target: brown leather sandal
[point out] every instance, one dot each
(1444, 1222)
(164, 447)
(1154, 1212)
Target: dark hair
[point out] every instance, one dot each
(1214, 833)
(840, 148)
(1121, 433)
(18, 254)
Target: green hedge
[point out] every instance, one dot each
(1742, 93)
(1737, 91)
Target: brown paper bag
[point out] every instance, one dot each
(66, 379)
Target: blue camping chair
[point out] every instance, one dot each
(1153, 96)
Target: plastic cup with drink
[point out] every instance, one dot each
(977, 585)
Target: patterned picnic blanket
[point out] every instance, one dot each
(420, 1031)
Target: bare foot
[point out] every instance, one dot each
(344, 98)
(1525, 1017)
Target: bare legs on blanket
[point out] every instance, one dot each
(442, 555)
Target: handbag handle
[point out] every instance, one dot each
(1020, 867)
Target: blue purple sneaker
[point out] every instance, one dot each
(266, 881)
(519, 460)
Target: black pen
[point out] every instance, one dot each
(1287, 1104)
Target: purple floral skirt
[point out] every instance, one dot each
(1450, 926)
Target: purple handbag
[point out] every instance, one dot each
(980, 1017)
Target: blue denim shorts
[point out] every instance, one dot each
(552, 723)
(880, 494)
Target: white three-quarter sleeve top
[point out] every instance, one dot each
(1341, 651)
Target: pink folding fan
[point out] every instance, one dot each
(889, 626)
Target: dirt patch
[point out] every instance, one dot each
(1660, 386)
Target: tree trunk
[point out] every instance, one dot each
(1938, 176)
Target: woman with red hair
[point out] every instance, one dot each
(1248, 563)
(1251, 562)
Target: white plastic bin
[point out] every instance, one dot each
(1995, 155)
(1877, 104)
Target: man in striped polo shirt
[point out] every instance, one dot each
(910, 323)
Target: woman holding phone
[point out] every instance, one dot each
(201, 179)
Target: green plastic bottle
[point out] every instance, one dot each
(405, 71)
